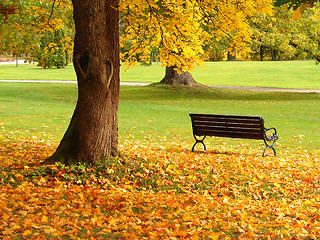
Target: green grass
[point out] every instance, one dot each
(32, 72)
(286, 74)
(44, 110)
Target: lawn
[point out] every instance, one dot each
(161, 111)
(284, 74)
(158, 188)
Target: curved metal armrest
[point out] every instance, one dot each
(274, 135)
(270, 138)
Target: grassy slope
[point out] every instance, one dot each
(290, 74)
(152, 112)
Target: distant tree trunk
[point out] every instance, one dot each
(232, 56)
(274, 54)
(261, 52)
(172, 77)
(93, 131)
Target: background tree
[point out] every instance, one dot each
(309, 25)
(176, 76)
(272, 34)
(21, 32)
(17, 35)
(283, 36)
(215, 48)
(181, 29)
(54, 50)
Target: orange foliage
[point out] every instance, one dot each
(159, 191)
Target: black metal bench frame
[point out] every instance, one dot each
(232, 126)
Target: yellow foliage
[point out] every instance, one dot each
(176, 27)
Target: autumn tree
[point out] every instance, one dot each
(181, 29)
(272, 34)
(16, 38)
(93, 131)
(54, 49)
(309, 24)
(288, 34)
(22, 31)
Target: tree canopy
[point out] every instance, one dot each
(181, 28)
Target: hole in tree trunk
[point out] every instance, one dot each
(83, 61)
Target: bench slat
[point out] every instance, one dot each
(223, 129)
(248, 135)
(227, 125)
(232, 120)
(236, 133)
(209, 117)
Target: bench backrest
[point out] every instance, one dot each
(232, 126)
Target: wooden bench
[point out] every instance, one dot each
(232, 126)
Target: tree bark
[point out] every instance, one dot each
(261, 52)
(173, 77)
(274, 54)
(232, 56)
(93, 131)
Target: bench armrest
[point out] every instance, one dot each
(274, 135)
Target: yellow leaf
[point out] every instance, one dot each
(44, 219)
(49, 230)
(214, 236)
(16, 227)
(18, 177)
(27, 232)
(296, 14)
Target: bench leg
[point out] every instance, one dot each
(270, 141)
(269, 146)
(199, 141)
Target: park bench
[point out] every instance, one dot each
(232, 126)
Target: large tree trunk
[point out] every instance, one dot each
(173, 77)
(93, 131)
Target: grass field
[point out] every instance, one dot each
(288, 74)
(161, 112)
(157, 188)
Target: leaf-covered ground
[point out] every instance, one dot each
(159, 190)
